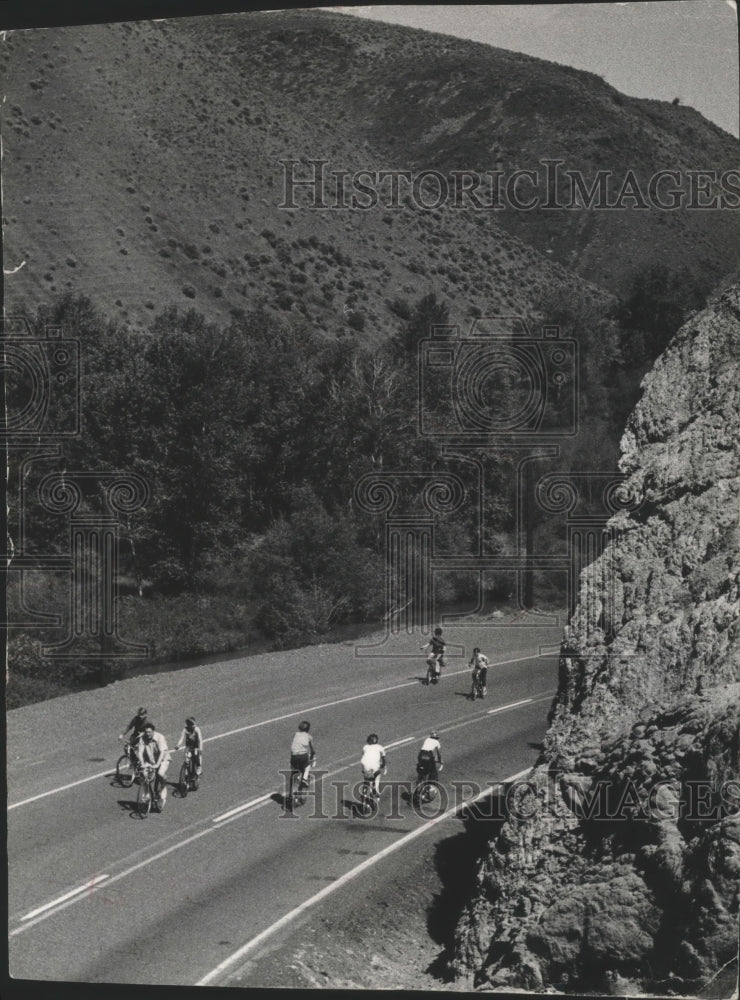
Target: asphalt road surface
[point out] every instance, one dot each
(97, 894)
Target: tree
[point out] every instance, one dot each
(428, 312)
(654, 306)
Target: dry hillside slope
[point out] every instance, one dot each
(141, 167)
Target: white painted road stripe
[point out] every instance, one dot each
(514, 704)
(255, 942)
(399, 743)
(62, 899)
(267, 722)
(242, 808)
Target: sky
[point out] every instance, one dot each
(663, 50)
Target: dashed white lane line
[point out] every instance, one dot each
(68, 895)
(267, 722)
(399, 743)
(242, 808)
(513, 704)
(255, 942)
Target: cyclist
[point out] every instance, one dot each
(436, 656)
(136, 726)
(429, 757)
(372, 762)
(302, 753)
(152, 749)
(479, 663)
(192, 738)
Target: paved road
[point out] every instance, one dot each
(98, 895)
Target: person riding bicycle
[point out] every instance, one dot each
(479, 663)
(372, 761)
(192, 738)
(436, 656)
(153, 750)
(302, 753)
(136, 726)
(429, 757)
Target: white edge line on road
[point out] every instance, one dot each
(514, 704)
(63, 788)
(267, 722)
(341, 881)
(62, 899)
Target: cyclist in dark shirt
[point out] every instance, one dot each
(436, 656)
(192, 738)
(136, 726)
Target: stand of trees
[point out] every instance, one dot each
(252, 437)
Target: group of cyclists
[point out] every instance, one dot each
(436, 661)
(149, 747)
(373, 759)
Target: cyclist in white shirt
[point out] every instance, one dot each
(479, 663)
(372, 761)
(302, 753)
(429, 756)
(153, 749)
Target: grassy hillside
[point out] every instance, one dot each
(141, 168)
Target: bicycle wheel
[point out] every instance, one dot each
(431, 791)
(125, 771)
(160, 799)
(144, 799)
(365, 804)
(184, 783)
(299, 790)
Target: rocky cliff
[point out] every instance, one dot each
(618, 867)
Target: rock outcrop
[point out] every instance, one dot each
(618, 867)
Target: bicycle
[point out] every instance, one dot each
(126, 766)
(478, 689)
(189, 777)
(426, 788)
(147, 798)
(367, 800)
(434, 669)
(299, 785)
